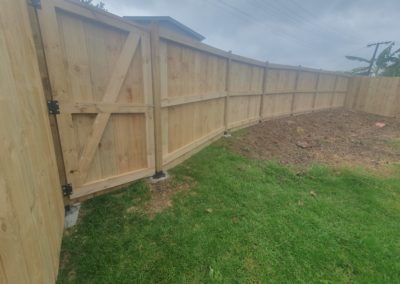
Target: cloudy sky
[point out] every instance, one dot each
(313, 33)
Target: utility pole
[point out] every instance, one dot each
(376, 44)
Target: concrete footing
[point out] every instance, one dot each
(71, 215)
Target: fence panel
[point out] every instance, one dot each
(340, 91)
(31, 207)
(325, 94)
(192, 94)
(378, 95)
(136, 101)
(280, 86)
(100, 74)
(245, 89)
(304, 100)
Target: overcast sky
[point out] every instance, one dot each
(313, 33)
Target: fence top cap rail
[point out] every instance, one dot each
(166, 19)
(307, 69)
(205, 47)
(108, 14)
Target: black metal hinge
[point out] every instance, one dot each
(53, 107)
(36, 4)
(67, 189)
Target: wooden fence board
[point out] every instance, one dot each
(31, 208)
(378, 95)
(134, 100)
(106, 63)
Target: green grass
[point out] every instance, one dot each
(265, 227)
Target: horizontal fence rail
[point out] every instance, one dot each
(133, 102)
(206, 91)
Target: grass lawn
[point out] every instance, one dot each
(242, 221)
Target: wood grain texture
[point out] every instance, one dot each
(378, 95)
(136, 99)
(31, 208)
(100, 72)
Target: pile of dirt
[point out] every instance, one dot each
(332, 137)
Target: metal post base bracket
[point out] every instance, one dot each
(158, 176)
(227, 134)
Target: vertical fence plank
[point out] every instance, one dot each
(355, 88)
(264, 89)
(396, 106)
(296, 83)
(334, 92)
(37, 36)
(227, 91)
(164, 97)
(316, 91)
(156, 79)
(148, 99)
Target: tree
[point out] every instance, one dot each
(99, 5)
(387, 63)
(392, 67)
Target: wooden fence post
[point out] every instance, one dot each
(156, 82)
(44, 72)
(334, 92)
(316, 91)
(296, 82)
(396, 105)
(264, 89)
(227, 90)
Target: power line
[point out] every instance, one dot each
(250, 18)
(275, 10)
(296, 17)
(323, 26)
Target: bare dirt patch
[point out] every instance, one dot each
(332, 137)
(162, 194)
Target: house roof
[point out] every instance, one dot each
(165, 19)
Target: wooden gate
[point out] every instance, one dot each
(100, 73)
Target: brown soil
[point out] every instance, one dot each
(336, 137)
(162, 194)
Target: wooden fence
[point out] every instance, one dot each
(205, 92)
(379, 95)
(135, 101)
(31, 207)
(99, 69)
(132, 102)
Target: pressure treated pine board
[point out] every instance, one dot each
(104, 88)
(31, 208)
